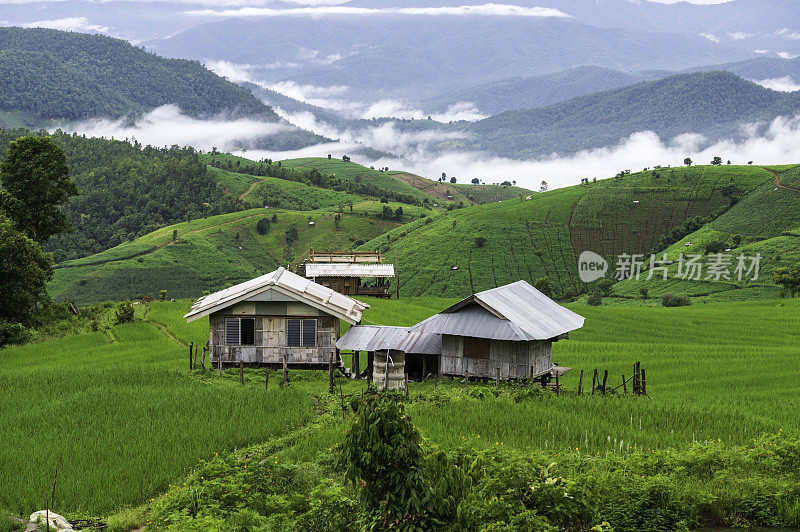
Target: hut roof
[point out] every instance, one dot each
(317, 269)
(286, 283)
(516, 311)
(379, 337)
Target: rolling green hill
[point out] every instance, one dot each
(542, 237)
(48, 73)
(453, 253)
(766, 221)
(215, 252)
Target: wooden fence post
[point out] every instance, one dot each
(635, 379)
(558, 387)
(406, 382)
(370, 365)
(580, 383)
(605, 378)
(356, 363)
(594, 381)
(219, 363)
(644, 384)
(330, 373)
(203, 359)
(266, 381)
(624, 387)
(241, 371)
(191, 348)
(285, 370)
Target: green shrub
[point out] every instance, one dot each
(262, 226)
(13, 333)
(595, 299)
(124, 313)
(671, 300)
(645, 293)
(480, 241)
(543, 285)
(162, 295)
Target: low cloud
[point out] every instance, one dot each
(332, 97)
(784, 84)
(167, 126)
(81, 24)
(711, 37)
(788, 34)
(474, 10)
(777, 143)
(786, 55)
(739, 35)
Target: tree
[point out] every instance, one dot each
(345, 158)
(174, 235)
(444, 176)
(543, 186)
(35, 172)
(788, 278)
(595, 299)
(452, 179)
(543, 285)
(274, 218)
(398, 214)
(24, 271)
(291, 235)
(716, 161)
(645, 292)
(480, 241)
(506, 183)
(687, 161)
(604, 286)
(262, 226)
(475, 180)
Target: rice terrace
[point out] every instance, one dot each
(358, 266)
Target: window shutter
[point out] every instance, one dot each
(293, 333)
(476, 347)
(231, 331)
(248, 331)
(309, 333)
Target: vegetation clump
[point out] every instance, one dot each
(671, 300)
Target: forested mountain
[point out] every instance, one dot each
(127, 190)
(713, 104)
(540, 91)
(66, 75)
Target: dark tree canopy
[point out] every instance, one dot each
(35, 172)
(24, 271)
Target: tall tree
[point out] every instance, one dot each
(35, 172)
(24, 271)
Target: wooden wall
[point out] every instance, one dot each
(270, 334)
(515, 359)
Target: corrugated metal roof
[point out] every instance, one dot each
(515, 312)
(285, 282)
(349, 270)
(381, 337)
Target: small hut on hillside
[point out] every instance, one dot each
(349, 272)
(278, 319)
(509, 329)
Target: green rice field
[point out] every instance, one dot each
(120, 416)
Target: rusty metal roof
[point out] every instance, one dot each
(381, 337)
(348, 270)
(516, 312)
(288, 284)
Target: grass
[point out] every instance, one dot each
(213, 253)
(122, 418)
(542, 237)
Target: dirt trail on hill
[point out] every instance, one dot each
(249, 190)
(778, 180)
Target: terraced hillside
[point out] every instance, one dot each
(480, 247)
(766, 221)
(215, 252)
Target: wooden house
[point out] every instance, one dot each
(278, 319)
(506, 331)
(349, 273)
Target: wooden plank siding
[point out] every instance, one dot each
(270, 335)
(514, 359)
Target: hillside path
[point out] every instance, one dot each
(778, 180)
(249, 190)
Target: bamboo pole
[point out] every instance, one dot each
(580, 383)
(191, 348)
